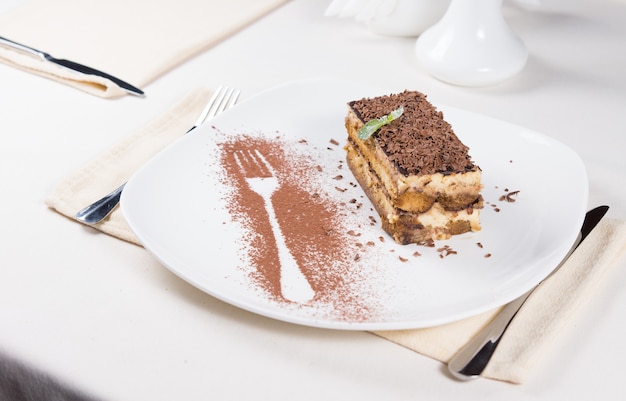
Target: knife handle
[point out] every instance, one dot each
(21, 47)
(83, 69)
(470, 361)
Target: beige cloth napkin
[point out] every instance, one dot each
(115, 166)
(136, 41)
(544, 316)
(546, 313)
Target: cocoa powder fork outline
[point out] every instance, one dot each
(261, 178)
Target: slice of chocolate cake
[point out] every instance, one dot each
(414, 169)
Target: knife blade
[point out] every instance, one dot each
(470, 361)
(71, 65)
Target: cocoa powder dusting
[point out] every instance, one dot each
(323, 250)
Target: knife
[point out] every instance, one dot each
(71, 65)
(470, 361)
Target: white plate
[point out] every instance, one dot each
(178, 206)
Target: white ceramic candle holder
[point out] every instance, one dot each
(472, 45)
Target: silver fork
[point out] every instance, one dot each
(221, 100)
(261, 179)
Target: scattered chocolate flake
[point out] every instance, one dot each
(338, 177)
(403, 259)
(354, 233)
(487, 255)
(416, 254)
(370, 243)
(340, 189)
(479, 244)
(381, 238)
(445, 251)
(510, 197)
(319, 168)
(418, 142)
(334, 142)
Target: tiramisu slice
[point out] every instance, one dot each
(414, 169)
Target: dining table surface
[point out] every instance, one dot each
(104, 317)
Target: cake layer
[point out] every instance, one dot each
(436, 222)
(417, 191)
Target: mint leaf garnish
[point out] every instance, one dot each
(374, 125)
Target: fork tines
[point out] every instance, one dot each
(221, 100)
(253, 164)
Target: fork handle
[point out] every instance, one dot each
(99, 210)
(293, 283)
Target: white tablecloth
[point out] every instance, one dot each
(104, 317)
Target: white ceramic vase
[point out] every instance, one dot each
(472, 45)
